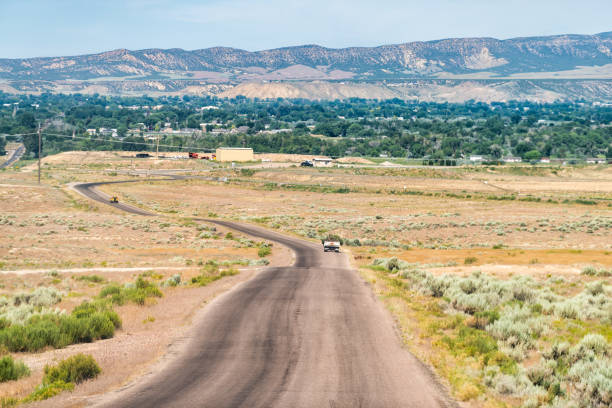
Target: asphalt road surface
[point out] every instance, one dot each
(308, 335)
(17, 153)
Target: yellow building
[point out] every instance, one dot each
(234, 154)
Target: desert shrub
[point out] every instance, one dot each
(592, 383)
(391, 263)
(86, 323)
(594, 288)
(591, 347)
(138, 292)
(74, 369)
(19, 308)
(258, 262)
(206, 278)
(483, 319)
(41, 296)
(174, 280)
(592, 271)
(264, 251)
(11, 370)
(471, 342)
(541, 375)
(45, 391)
(470, 260)
(557, 351)
(516, 330)
(91, 278)
(594, 302)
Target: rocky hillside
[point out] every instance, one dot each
(564, 67)
(415, 59)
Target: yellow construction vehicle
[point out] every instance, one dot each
(114, 200)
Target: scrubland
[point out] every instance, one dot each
(77, 277)
(498, 277)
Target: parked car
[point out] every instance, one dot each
(306, 163)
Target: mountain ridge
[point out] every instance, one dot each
(559, 67)
(418, 58)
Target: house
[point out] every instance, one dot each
(234, 154)
(274, 131)
(322, 162)
(91, 132)
(596, 160)
(545, 160)
(512, 159)
(476, 158)
(240, 129)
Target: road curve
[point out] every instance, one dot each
(17, 153)
(89, 190)
(309, 335)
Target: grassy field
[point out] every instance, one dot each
(498, 277)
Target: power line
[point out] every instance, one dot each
(152, 145)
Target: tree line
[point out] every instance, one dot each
(351, 127)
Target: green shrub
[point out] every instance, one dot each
(136, 293)
(8, 402)
(11, 370)
(393, 265)
(205, 278)
(264, 251)
(470, 260)
(87, 322)
(74, 369)
(173, 281)
(45, 391)
(91, 278)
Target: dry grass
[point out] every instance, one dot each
(436, 219)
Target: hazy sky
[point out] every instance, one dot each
(67, 27)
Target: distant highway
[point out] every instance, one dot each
(308, 335)
(15, 155)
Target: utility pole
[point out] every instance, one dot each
(39, 151)
(157, 147)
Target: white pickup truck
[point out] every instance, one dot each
(331, 246)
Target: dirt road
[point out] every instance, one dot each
(309, 335)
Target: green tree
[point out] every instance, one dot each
(2, 145)
(532, 155)
(496, 151)
(27, 120)
(30, 142)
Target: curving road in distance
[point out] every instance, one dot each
(308, 335)
(15, 155)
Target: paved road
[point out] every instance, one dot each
(89, 191)
(17, 153)
(309, 335)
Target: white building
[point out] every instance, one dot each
(512, 159)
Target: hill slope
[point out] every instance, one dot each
(581, 65)
(423, 59)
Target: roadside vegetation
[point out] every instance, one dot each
(61, 377)
(498, 340)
